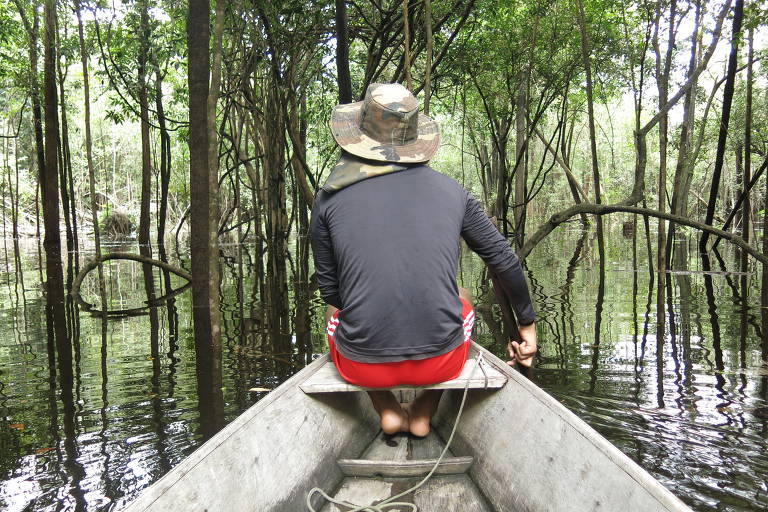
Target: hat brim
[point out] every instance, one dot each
(345, 128)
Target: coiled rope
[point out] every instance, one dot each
(389, 503)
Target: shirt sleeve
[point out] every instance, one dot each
(483, 238)
(325, 260)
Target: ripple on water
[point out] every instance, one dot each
(691, 409)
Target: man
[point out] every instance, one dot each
(385, 233)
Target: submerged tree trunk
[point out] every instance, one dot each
(685, 162)
(746, 210)
(50, 179)
(663, 67)
(203, 228)
(585, 51)
(724, 121)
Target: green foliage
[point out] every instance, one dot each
(482, 61)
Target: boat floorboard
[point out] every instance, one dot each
(442, 493)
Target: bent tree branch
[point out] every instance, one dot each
(93, 264)
(604, 209)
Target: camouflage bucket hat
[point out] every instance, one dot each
(386, 126)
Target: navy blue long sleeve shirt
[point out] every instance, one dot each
(386, 252)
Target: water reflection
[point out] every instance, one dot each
(93, 411)
(691, 416)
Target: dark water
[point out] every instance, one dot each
(691, 407)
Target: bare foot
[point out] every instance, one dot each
(420, 412)
(418, 423)
(394, 420)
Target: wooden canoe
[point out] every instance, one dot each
(515, 449)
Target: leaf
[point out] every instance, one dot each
(41, 451)
(17, 426)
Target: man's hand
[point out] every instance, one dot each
(522, 352)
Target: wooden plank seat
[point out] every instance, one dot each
(404, 468)
(328, 380)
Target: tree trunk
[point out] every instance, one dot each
(764, 280)
(205, 294)
(724, 120)
(662, 80)
(521, 160)
(407, 46)
(430, 51)
(50, 179)
(276, 232)
(165, 159)
(342, 53)
(146, 155)
(739, 185)
(747, 205)
(33, 30)
(585, 51)
(89, 155)
(65, 160)
(685, 163)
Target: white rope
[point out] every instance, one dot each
(389, 502)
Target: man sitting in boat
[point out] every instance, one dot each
(385, 233)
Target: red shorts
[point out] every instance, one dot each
(412, 372)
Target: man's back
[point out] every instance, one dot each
(386, 252)
(393, 245)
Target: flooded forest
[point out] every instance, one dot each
(159, 162)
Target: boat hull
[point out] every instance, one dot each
(529, 454)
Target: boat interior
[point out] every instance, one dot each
(390, 465)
